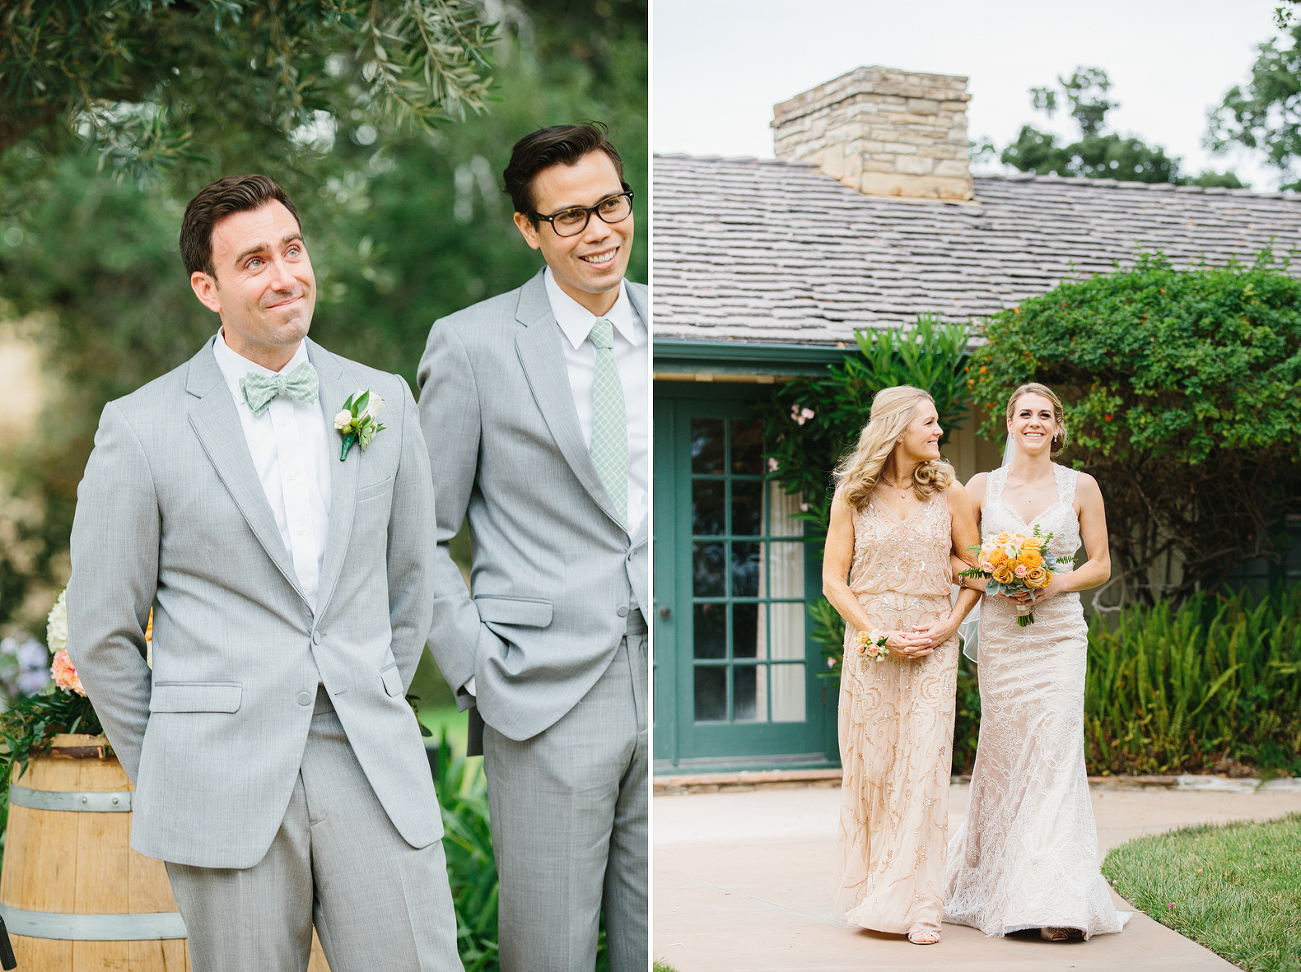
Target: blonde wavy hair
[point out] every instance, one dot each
(892, 413)
(1061, 436)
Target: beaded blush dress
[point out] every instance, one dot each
(896, 725)
(1027, 854)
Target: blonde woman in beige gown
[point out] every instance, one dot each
(897, 515)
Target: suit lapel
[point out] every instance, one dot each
(216, 423)
(343, 475)
(543, 360)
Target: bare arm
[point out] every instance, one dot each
(975, 492)
(836, 558)
(965, 534)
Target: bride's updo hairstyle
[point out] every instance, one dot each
(1061, 436)
(892, 412)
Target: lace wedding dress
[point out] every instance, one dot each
(1027, 855)
(896, 725)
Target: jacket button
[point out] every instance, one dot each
(316, 638)
(304, 698)
(623, 611)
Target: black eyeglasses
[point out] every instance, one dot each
(571, 222)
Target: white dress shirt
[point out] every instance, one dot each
(290, 446)
(631, 359)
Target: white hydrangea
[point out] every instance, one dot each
(56, 631)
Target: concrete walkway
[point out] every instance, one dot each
(741, 881)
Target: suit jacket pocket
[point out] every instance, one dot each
(196, 697)
(392, 679)
(372, 490)
(531, 611)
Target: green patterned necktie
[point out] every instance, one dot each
(260, 389)
(609, 419)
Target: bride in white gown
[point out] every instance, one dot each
(1027, 854)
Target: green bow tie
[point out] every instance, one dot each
(258, 390)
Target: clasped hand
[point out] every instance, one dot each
(921, 640)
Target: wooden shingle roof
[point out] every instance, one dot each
(775, 251)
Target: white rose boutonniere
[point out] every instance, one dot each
(356, 421)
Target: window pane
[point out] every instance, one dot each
(787, 692)
(708, 569)
(745, 630)
(747, 706)
(707, 507)
(782, 507)
(786, 569)
(747, 508)
(745, 569)
(787, 631)
(710, 633)
(747, 447)
(706, 446)
(711, 694)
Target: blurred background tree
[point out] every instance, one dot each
(1097, 153)
(389, 125)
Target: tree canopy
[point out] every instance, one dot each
(155, 83)
(1097, 153)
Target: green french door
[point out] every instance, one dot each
(734, 666)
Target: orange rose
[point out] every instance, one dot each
(1038, 578)
(1033, 543)
(1003, 574)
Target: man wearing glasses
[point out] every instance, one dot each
(534, 405)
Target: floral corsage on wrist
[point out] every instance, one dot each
(356, 422)
(872, 644)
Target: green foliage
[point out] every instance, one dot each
(966, 716)
(1232, 888)
(1180, 389)
(1214, 685)
(471, 867)
(1182, 690)
(829, 635)
(1266, 114)
(1096, 154)
(151, 84)
(930, 356)
(30, 724)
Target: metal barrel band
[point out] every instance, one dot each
(75, 801)
(146, 926)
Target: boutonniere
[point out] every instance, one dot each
(356, 422)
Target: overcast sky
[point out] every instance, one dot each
(718, 66)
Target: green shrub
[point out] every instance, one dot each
(1213, 684)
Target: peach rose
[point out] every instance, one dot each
(1038, 578)
(65, 674)
(1033, 543)
(1003, 538)
(1020, 570)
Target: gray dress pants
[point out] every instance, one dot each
(337, 861)
(569, 826)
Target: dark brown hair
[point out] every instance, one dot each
(233, 194)
(557, 145)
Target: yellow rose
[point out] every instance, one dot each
(1003, 574)
(1038, 578)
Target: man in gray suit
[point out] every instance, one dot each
(535, 406)
(279, 770)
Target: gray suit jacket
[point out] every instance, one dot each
(171, 514)
(553, 566)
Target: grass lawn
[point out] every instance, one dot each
(661, 967)
(1235, 889)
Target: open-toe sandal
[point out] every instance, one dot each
(924, 936)
(1054, 934)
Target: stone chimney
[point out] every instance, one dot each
(882, 131)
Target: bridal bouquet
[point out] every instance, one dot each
(1015, 563)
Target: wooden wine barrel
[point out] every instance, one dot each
(74, 895)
